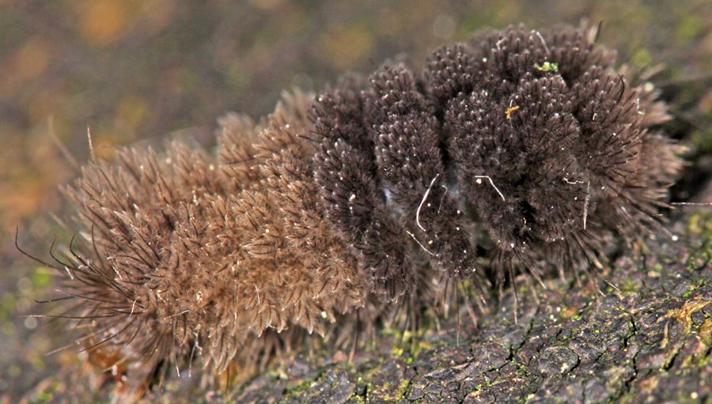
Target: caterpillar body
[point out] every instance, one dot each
(518, 151)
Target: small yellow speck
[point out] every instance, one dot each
(509, 111)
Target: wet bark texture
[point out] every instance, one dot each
(646, 337)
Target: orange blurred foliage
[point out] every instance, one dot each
(28, 62)
(103, 21)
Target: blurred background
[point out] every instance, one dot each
(147, 70)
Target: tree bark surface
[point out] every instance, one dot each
(644, 335)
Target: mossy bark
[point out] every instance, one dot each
(644, 335)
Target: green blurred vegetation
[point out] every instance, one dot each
(133, 70)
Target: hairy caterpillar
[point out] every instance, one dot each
(521, 148)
